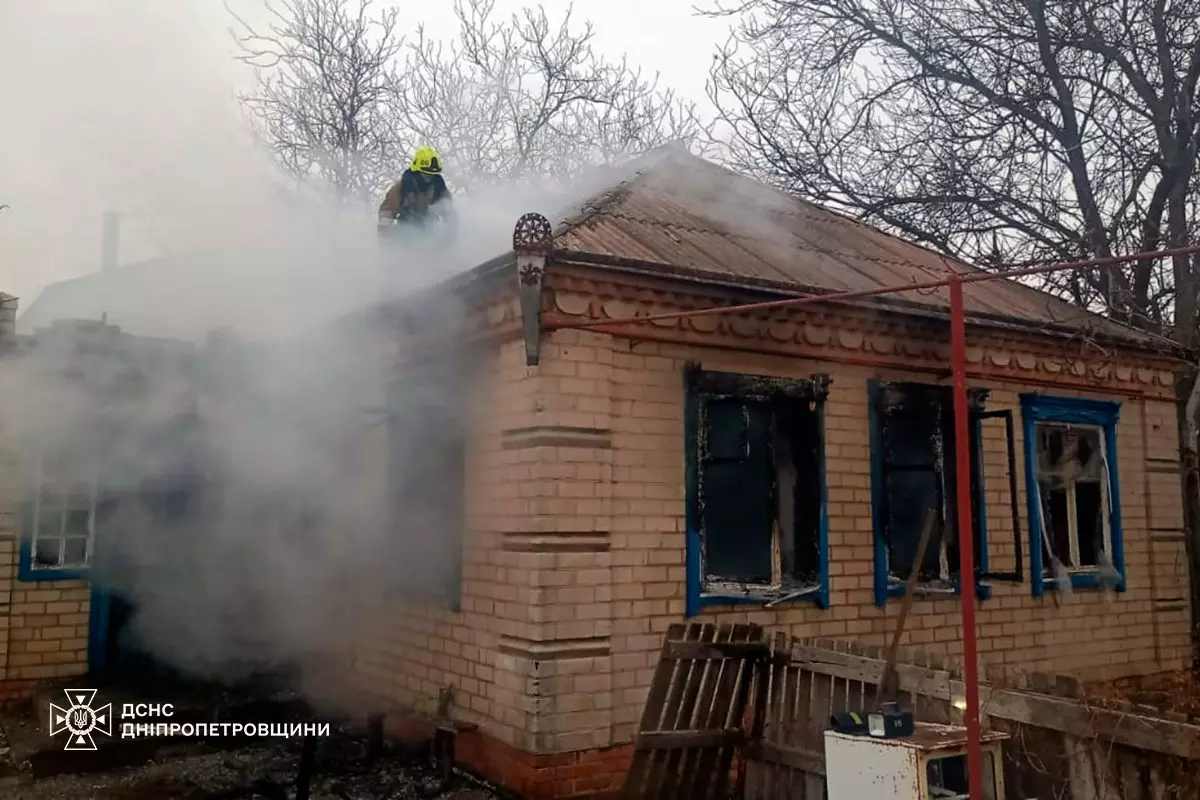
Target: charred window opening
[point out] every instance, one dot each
(913, 452)
(427, 472)
(757, 488)
(1072, 483)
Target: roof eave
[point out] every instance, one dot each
(386, 309)
(769, 289)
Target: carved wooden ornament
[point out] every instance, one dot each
(533, 239)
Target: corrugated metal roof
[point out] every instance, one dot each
(665, 208)
(685, 212)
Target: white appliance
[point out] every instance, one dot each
(929, 765)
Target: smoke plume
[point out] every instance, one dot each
(236, 509)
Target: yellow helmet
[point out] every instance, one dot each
(426, 160)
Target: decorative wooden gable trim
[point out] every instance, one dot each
(850, 335)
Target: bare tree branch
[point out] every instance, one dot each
(325, 69)
(997, 131)
(342, 98)
(527, 97)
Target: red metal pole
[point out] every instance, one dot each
(966, 537)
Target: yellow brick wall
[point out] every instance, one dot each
(413, 652)
(574, 560)
(48, 630)
(1094, 634)
(43, 624)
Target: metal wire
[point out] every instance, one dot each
(961, 277)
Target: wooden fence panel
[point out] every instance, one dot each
(721, 691)
(696, 714)
(1061, 748)
(788, 762)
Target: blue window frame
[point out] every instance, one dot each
(59, 521)
(757, 524)
(912, 456)
(1072, 492)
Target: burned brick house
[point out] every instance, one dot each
(772, 466)
(577, 491)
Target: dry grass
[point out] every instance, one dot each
(1168, 695)
(1171, 694)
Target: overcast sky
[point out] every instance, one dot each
(99, 94)
(663, 36)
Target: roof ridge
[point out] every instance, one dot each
(640, 168)
(598, 203)
(606, 198)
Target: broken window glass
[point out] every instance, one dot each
(736, 491)
(914, 433)
(915, 441)
(1072, 479)
(48, 552)
(757, 485)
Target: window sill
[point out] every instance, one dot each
(31, 574)
(816, 595)
(1081, 580)
(983, 591)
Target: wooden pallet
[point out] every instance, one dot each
(694, 721)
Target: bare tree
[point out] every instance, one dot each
(524, 97)
(997, 131)
(994, 130)
(325, 72)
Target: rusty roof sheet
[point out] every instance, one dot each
(682, 211)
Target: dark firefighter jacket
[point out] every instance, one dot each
(413, 195)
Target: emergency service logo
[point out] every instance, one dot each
(80, 719)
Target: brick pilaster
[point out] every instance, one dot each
(563, 544)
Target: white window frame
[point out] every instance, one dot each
(63, 492)
(1072, 521)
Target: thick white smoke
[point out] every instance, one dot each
(129, 105)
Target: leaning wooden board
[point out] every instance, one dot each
(694, 721)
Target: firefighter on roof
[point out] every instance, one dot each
(420, 192)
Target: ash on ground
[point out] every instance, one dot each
(258, 771)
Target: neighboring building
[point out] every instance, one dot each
(200, 287)
(207, 290)
(771, 467)
(43, 624)
(73, 437)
